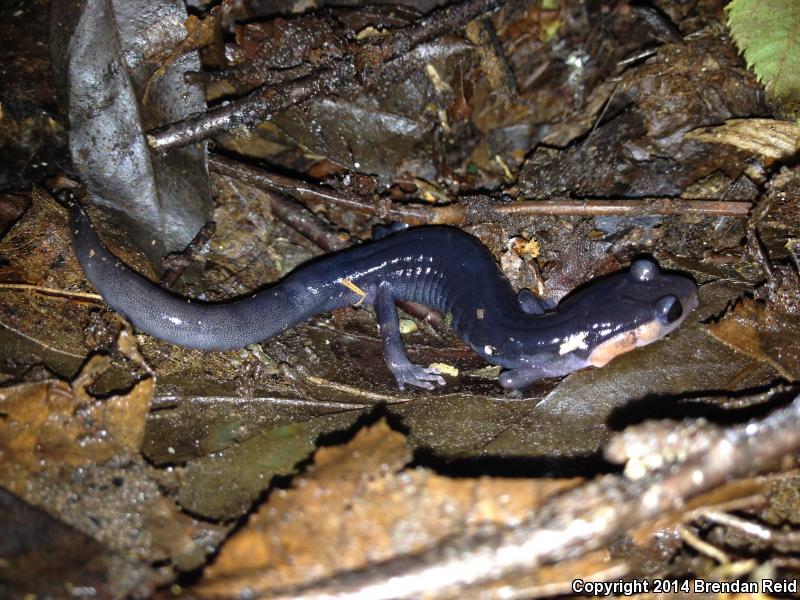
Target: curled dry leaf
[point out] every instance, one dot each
(107, 53)
(358, 506)
(770, 138)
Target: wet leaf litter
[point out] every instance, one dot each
(569, 139)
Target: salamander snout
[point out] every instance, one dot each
(672, 297)
(647, 305)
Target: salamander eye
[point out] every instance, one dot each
(669, 309)
(643, 269)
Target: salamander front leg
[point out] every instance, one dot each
(522, 377)
(404, 371)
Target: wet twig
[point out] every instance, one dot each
(296, 216)
(306, 223)
(267, 100)
(464, 213)
(307, 193)
(627, 207)
(580, 520)
(481, 32)
(271, 77)
(48, 291)
(176, 264)
(753, 529)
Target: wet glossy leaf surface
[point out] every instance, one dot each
(108, 55)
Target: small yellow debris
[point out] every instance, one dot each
(371, 32)
(526, 248)
(429, 192)
(440, 84)
(353, 288)
(491, 372)
(407, 326)
(445, 124)
(549, 29)
(444, 369)
(506, 171)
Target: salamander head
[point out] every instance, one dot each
(607, 318)
(645, 305)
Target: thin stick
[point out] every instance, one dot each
(702, 546)
(306, 223)
(462, 213)
(626, 207)
(39, 342)
(753, 529)
(265, 101)
(177, 264)
(307, 193)
(52, 291)
(373, 397)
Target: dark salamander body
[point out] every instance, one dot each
(442, 267)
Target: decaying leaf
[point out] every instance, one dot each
(357, 505)
(768, 332)
(47, 425)
(766, 31)
(201, 32)
(107, 52)
(223, 485)
(37, 242)
(770, 138)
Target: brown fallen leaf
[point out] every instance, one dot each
(36, 249)
(47, 425)
(59, 442)
(358, 505)
(766, 331)
(201, 33)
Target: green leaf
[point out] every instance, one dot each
(768, 34)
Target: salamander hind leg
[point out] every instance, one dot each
(404, 371)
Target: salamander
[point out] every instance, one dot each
(442, 267)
